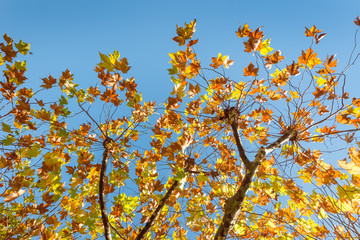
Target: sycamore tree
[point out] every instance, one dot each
(271, 154)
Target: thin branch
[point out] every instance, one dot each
(240, 148)
(151, 220)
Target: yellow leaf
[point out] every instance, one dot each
(265, 49)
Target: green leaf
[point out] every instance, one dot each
(63, 100)
(34, 151)
(202, 177)
(180, 174)
(104, 58)
(20, 65)
(23, 47)
(9, 140)
(173, 70)
(6, 128)
(65, 112)
(106, 62)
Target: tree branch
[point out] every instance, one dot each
(233, 204)
(102, 202)
(240, 148)
(151, 220)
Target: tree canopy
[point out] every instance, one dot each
(271, 154)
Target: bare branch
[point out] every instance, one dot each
(240, 148)
(102, 202)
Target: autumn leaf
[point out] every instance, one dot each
(123, 65)
(319, 37)
(23, 47)
(309, 58)
(251, 70)
(243, 31)
(357, 21)
(185, 33)
(221, 60)
(312, 31)
(273, 59)
(48, 82)
(293, 69)
(265, 47)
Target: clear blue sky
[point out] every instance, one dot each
(69, 34)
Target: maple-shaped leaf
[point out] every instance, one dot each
(123, 65)
(14, 195)
(309, 58)
(264, 47)
(221, 60)
(254, 41)
(273, 59)
(251, 70)
(192, 42)
(312, 32)
(243, 31)
(8, 39)
(23, 47)
(184, 33)
(48, 82)
(357, 21)
(10, 53)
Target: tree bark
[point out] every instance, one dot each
(102, 202)
(233, 204)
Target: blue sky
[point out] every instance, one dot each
(69, 34)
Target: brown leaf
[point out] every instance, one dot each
(48, 82)
(251, 70)
(293, 69)
(357, 21)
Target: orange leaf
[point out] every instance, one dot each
(243, 31)
(357, 21)
(356, 102)
(312, 32)
(273, 59)
(342, 118)
(251, 70)
(192, 42)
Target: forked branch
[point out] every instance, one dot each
(233, 204)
